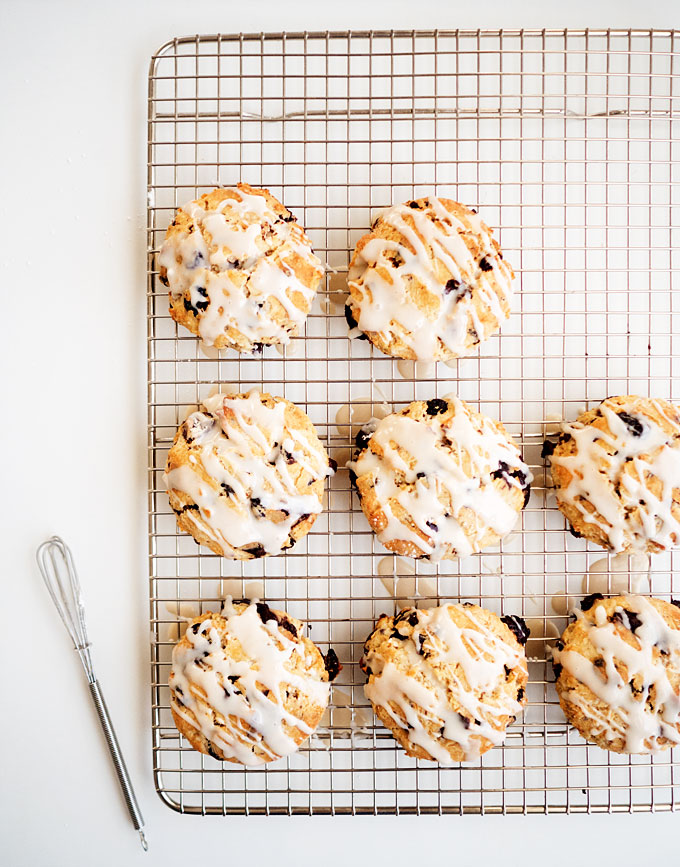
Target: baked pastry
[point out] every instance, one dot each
(247, 685)
(617, 669)
(447, 681)
(616, 471)
(245, 474)
(429, 281)
(240, 270)
(439, 480)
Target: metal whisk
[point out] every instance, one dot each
(61, 579)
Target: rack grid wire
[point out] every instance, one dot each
(567, 142)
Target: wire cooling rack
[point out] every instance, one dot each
(568, 142)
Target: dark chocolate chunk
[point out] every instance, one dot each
(432, 526)
(396, 634)
(421, 641)
(504, 472)
(557, 668)
(202, 305)
(410, 615)
(675, 602)
(257, 348)
(415, 205)
(351, 321)
(485, 265)
(195, 628)
(288, 218)
(464, 720)
(164, 279)
(212, 751)
(288, 456)
(633, 619)
(190, 507)
(333, 465)
(459, 290)
(228, 490)
(548, 449)
(255, 551)
(285, 623)
(559, 644)
(588, 602)
(332, 664)
(436, 406)
(257, 508)
(527, 496)
(517, 626)
(232, 678)
(362, 439)
(575, 533)
(508, 671)
(520, 693)
(599, 662)
(633, 424)
(265, 613)
(420, 475)
(300, 520)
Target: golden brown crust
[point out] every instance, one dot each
(587, 711)
(660, 413)
(373, 502)
(483, 322)
(184, 452)
(306, 662)
(385, 645)
(306, 269)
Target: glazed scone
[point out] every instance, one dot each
(617, 669)
(240, 270)
(429, 281)
(245, 474)
(616, 470)
(447, 681)
(247, 685)
(439, 480)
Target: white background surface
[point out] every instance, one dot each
(72, 264)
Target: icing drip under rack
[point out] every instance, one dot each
(569, 144)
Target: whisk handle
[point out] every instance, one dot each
(116, 756)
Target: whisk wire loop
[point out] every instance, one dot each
(61, 579)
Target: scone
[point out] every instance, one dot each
(439, 480)
(617, 669)
(240, 270)
(616, 470)
(247, 685)
(429, 281)
(246, 474)
(447, 681)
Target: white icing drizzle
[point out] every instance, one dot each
(254, 459)
(249, 716)
(241, 235)
(386, 306)
(621, 573)
(440, 455)
(481, 655)
(615, 471)
(639, 718)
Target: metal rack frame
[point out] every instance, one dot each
(568, 143)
